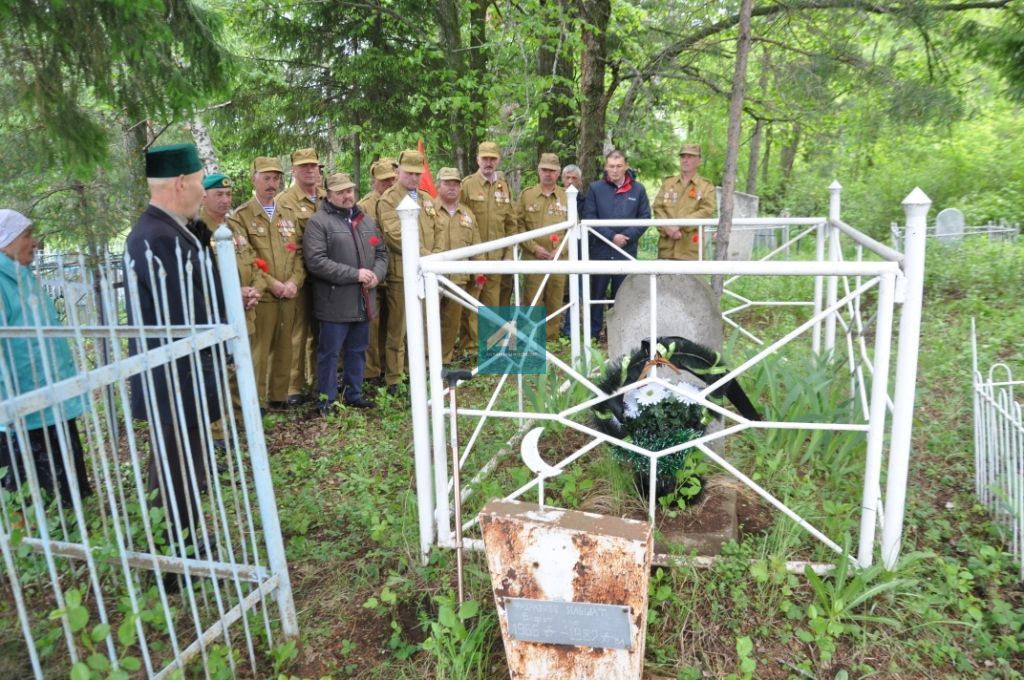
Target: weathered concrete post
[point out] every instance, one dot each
(570, 589)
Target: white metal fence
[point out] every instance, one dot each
(838, 305)
(999, 448)
(108, 567)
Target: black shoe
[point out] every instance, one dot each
(323, 408)
(361, 402)
(395, 390)
(220, 445)
(263, 412)
(277, 405)
(296, 399)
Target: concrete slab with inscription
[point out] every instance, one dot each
(570, 589)
(949, 226)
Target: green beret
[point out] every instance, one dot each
(172, 160)
(217, 181)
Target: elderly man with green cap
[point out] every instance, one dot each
(346, 258)
(184, 401)
(542, 205)
(302, 199)
(29, 364)
(410, 167)
(271, 228)
(383, 177)
(489, 196)
(686, 195)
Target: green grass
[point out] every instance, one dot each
(953, 608)
(369, 609)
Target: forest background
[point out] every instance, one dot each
(882, 96)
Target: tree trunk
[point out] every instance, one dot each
(593, 103)
(788, 156)
(766, 161)
(466, 157)
(451, 39)
(556, 131)
(755, 155)
(755, 139)
(733, 144)
(203, 141)
(357, 161)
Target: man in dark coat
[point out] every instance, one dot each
(617, 196)
(346, 259)
(178, 400)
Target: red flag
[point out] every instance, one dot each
(426, 179)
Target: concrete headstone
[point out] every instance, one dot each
(687, 307)
(741, 239)
(949, 226)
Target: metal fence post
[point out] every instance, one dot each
(915, 208)
(408, 214)
(834, 255)
(573, 245)
(257, 444)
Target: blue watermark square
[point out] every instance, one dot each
(510, 340)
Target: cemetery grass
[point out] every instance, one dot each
(369, 609)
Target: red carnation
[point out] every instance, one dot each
(262, 264)
(374, 241)
(696, 238)
(291, 247)
(693, 192)
(481, 279)
(554, 238)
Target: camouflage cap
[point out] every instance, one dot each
(383, 168)
(445, 174)
(339, 182)
(549, 161)
(488, 150)
(411, 160)
(690, 150)
(305, 157)
(267, 164)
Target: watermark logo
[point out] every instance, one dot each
(511, 340)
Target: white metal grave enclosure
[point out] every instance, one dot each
(106, 566)
(999, 448)
(851, 315)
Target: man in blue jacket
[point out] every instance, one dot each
(617, 196)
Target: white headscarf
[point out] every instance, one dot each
(12, 223)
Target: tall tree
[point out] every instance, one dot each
(143, 59)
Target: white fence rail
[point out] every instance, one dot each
(999, 449)
(835, 311)
(108, 565)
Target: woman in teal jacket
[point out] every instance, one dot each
(27, 364)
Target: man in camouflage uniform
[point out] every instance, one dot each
(686, 195)
(302, 199)
(456, 228)
(382, 178)
(539, 206)
(410, 167)
(272, 231)
(489, 196)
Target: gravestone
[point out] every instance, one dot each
(741, 239)
(687, 307)
(949, 226)
(570, 590)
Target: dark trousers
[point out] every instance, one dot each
(183, 451)
(354, 338)
(599, 291)
(46, 458)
